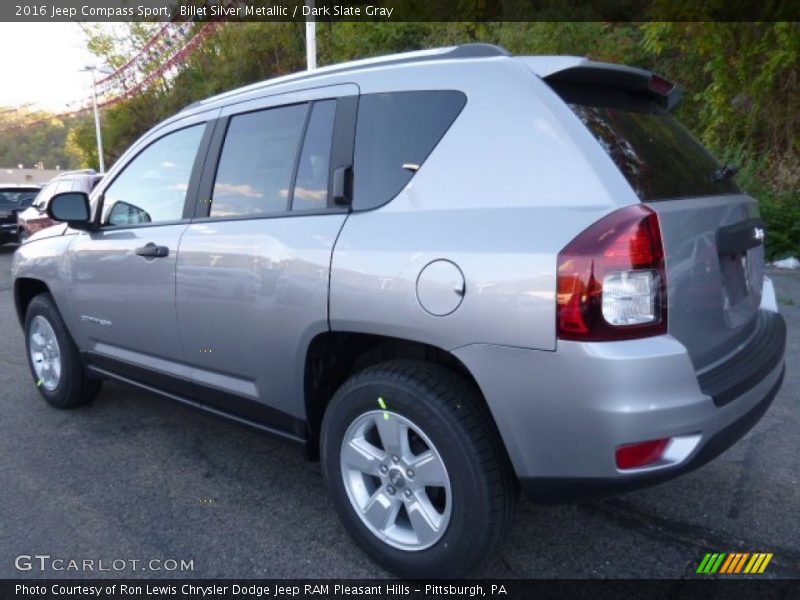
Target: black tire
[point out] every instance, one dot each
(75, 387)
(451, 414)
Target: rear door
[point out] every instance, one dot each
(712, 234)
(254, 265)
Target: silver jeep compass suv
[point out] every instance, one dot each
(448, 274)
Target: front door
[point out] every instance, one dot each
(122, 275)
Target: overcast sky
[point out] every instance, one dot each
(41, 63)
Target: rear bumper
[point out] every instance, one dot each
(563, 414)
(764, 350)
(564, 489)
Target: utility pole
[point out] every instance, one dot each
(311, 38)
(97, 129)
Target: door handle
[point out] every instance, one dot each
(150, 250)
(342, 185)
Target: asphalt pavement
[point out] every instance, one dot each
(134, 477)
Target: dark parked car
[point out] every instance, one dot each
(13, 199)
(34, 218)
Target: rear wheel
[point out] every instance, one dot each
(53, 357)
(416, 470)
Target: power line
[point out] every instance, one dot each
(172, 44)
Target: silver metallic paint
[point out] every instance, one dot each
(695, 290)
(563, 414)
(251, 295)
(515, 179)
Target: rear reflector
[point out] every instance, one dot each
(641, 454)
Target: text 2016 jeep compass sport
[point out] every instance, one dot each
(448, 273)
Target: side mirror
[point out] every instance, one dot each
(72, 208)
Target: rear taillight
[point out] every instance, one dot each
(611, 279)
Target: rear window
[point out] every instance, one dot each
(395, 133)
(656, 154)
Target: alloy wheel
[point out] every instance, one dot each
(45, 353)
(396, 480)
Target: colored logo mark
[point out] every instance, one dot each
(382, 404)
(734, 562)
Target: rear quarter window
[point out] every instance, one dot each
(393, 130)
(657, 155)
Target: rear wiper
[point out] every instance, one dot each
(724, 172)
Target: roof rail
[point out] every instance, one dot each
(78, 172)
(192, 105)
(464, 51)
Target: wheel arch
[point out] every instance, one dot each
(333, 356)
(25, 290)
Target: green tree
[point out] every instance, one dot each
(740, 80)
(43, 142)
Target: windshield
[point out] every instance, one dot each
(655, 153)
(15, 198)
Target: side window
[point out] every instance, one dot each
(257, 162)
(395, 133)
(153, 186)
(311, 185)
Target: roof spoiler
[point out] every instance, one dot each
(663, 91)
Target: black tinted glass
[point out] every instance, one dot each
(17, 197)
(257, 162)
(656, 154)
(27, 198)
(311, 186)
(395, 133)
(9, 199)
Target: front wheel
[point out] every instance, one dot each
(416, 471)
(54, 358)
